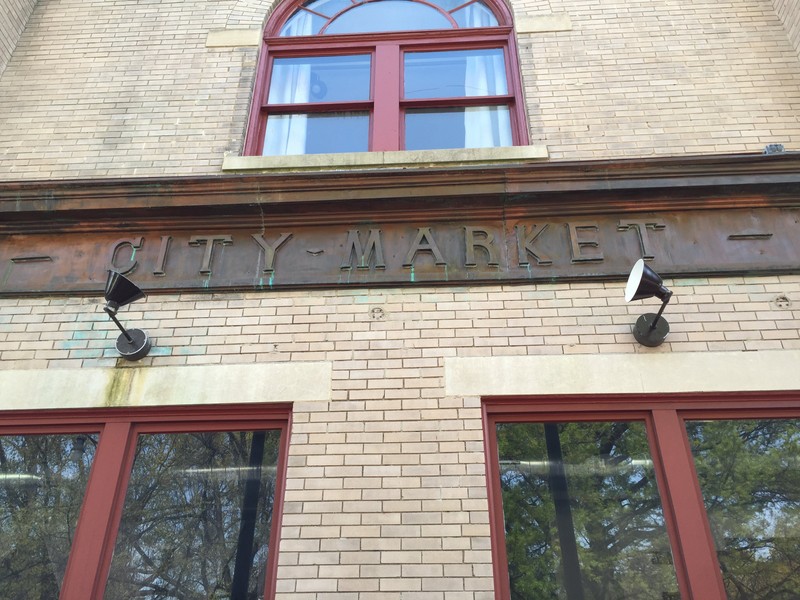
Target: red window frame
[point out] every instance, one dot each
(98, 522)
(694, 551)
(386, 105)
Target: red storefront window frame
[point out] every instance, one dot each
(694, 551)
(98, 521)
(386, 105)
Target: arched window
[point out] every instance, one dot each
(379, 75)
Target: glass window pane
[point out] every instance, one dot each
(456, 73)
(316, 133)
(319, 79)
(471, 127)
(328, 7)
(389, 15)
(302, 23)
(475, 15)
(42, 483)
(197, 515)
(448, 5)
(749, 475)
(582, 512)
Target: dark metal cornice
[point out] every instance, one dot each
(538, 189)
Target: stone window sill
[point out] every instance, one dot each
(396, 159)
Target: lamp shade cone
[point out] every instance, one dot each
(120, 290)
(643, 282)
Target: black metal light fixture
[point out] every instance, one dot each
(78, 448)
(650, 329)
(132, 344)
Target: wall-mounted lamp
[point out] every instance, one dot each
(132, 344)
(78, 448)
(643, 282)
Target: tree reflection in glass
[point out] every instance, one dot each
(42, 483)
(583, 519)
(196, 518)
(750, 479)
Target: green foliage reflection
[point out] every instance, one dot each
(620, 546)
(42, 483)
(750, 480)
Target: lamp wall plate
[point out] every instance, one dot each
(135, 349)
(648, 335)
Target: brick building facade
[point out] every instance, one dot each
(123, 124)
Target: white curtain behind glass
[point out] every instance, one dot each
(287, 133)
(486, 76)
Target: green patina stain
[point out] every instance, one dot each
(6, 274)
(118, 389)
(412, 273)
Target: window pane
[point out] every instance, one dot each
(197, 516)
(42, 482)
(319, 79)
(316, 133)
(302, 23)
(471, 127)
(455, 74)
(389, 15)
(449, 5)
(328, 7)
(475, 15)
(582, 512)
(750, 479)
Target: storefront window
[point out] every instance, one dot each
(675, 496)
(150, 503)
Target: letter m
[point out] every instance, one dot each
(363, 256)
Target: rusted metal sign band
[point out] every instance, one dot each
(409, 253)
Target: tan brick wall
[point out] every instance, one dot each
(13, 17)
(124, 88)
(644, 78)
(409, 328)
(249, 13)
(111, 88)
(386, 491)
(789, 13)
